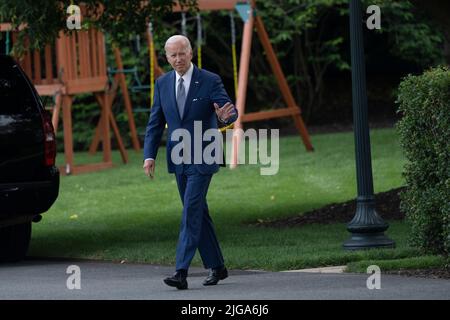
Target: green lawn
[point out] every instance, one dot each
(120, 214)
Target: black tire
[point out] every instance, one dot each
(14, 242)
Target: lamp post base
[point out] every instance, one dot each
(367, 227)
(359, 241)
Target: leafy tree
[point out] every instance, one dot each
(312, 37)
(411, 34)
(308, 42)
(438, 10)
(46, 18)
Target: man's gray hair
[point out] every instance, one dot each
(177, 38)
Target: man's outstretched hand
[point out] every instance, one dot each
(149, 168)
(225, 112)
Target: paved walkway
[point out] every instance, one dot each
(47, 279)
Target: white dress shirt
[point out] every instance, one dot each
(187, 77)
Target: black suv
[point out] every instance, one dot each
(29, 179)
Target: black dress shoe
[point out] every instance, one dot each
(178, 281)
(215, 275)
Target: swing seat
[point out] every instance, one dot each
(137, 85)
(140, 88)
(141, 110)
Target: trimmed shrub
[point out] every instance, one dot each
(424, 103)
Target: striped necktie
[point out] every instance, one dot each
(181, 97)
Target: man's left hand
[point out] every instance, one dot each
(225, 112)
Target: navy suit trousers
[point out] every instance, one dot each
(196, 228)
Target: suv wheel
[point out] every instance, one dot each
(14, 242)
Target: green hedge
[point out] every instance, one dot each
(424, 103)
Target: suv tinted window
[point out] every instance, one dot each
(15, 96)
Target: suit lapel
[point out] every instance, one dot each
(193, 88)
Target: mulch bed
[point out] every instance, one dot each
(387, 205)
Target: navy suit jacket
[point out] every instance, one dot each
(205, 89)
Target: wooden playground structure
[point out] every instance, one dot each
(79, 68)
(76, 64)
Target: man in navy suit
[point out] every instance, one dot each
(185, 98)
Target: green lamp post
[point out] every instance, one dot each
(367, 227)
